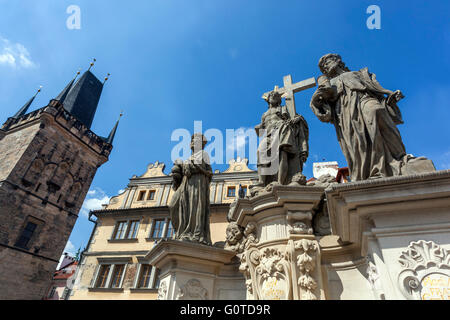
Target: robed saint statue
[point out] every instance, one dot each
(189, 207)
(365, 116)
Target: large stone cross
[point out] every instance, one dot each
(290, 89)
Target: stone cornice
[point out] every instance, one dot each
(397, 180)
(163, 210)
(279, 196)
(168, 249)
(116, 253)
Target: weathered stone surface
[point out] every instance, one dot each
(284, 147)
(418, 166)
(366, 117)
(47, 164)
(405, 217)
(193, 271)
(272, 234)
(190, 204)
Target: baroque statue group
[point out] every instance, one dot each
(364, 114)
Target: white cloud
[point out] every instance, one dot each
(94, 200)
(14, 54)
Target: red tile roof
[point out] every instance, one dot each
(65, 273)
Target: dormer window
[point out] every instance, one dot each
(151, 195)
(141, 195)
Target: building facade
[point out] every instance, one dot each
(48, 159)
(113, 265)
(62, 279)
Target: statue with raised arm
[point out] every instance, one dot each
(365, 116)
(189, 207)
(284, 147)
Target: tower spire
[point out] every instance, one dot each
(62, 96)
(111, 136)
(27, 105)
(82, 98)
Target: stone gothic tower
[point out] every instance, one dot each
(48, 159)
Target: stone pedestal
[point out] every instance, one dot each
(402, 225)
(280, 256)
(191, 271)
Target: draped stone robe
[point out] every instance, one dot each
(365, 124)
(189, 207)
(291, 138)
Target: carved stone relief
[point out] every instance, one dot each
(275, 275)
(238, 239)
(374, 280)
(162, 291)
(307, 253)
(426, 271)
(299, 222)
(267, 274)
(193, 290)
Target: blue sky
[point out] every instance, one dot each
(176, 61)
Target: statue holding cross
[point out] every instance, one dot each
(289, 89)
(284, 145)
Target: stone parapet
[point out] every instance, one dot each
(401, 225)
(359, 209)
(55, 111)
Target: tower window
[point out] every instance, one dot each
(30, 229)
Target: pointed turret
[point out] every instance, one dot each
(62, 96)
(82, 99)
(111, 136)
(27, 105)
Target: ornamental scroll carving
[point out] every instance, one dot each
(267, 274)
(306, 263)
(426, 271)
(162, 291)
(275, 275)
(373, 276)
